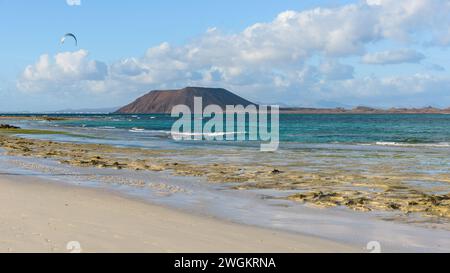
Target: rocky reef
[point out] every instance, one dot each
(379, 189)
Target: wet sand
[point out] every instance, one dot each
(42, 216)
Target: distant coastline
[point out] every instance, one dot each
(364, 110)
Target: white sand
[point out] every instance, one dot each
(42, 216)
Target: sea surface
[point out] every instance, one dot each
(383, 129)
(371, 144)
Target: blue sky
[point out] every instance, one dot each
(307, 53)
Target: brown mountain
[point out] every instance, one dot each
(162, 101)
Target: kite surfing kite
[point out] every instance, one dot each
(63, 39)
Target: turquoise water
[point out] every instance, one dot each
(308, 129)
(409, 129)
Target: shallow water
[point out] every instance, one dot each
(253, 207)
(383, 130)
(412, 148)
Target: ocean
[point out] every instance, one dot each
(383, 129)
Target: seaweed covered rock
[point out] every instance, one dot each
(7, 126)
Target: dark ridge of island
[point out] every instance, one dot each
(162, 102)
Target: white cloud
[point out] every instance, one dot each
(73, 2)
(414, 90)
(399, 19)
(333, 70)
(68, 70)
(393, 57)
(270, 57)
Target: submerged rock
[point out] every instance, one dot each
(7, 126)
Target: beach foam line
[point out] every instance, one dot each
(207, 134)
(137, 130)
(399, 144)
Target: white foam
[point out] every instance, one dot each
(207, 134)
(399, 144)
(137, 130)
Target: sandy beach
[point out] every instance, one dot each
(43, 216)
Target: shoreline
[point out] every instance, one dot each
(374, 190)
(43, 216)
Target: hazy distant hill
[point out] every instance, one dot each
(87, 111)
(162, 101)
(365, 110)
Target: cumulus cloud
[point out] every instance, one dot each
(333, 70)
(393, 57)
(73, 2)
(68, 70)
(264, 58)
(421, 89)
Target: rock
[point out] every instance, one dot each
(7, 126)
(394, 206)
(276, 171)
